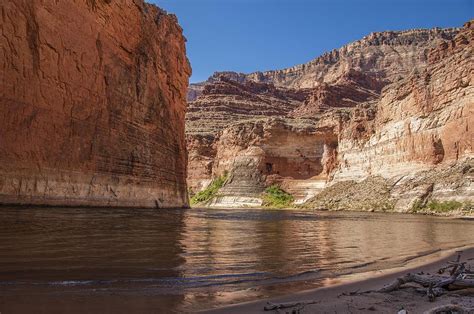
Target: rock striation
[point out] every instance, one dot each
(384, 123)
(93, 103)
(223, 102)
(386, 55)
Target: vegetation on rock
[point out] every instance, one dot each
(275, 197)
(444, 206)
(210, 191)
(435, 206)
(417, 206)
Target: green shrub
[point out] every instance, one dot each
(208, 193)
(275, 197)
(417, 206)
(385, 206)
(444, 206)
(436, 206)
(468, 206)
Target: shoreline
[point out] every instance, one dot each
(453, 214)
(330, 299)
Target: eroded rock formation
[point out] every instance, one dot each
(384, 123)
(93, 102)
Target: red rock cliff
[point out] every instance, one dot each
(92, 104)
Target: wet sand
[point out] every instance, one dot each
(333, 300)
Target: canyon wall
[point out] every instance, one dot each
(384, 123)
(93, 99)
(386, 55)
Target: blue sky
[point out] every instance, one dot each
(258, 35)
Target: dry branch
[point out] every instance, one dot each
(272, 306)
(424, 280)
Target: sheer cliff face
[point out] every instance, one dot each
(93, 103)
(394, 108)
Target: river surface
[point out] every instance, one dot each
(129, 260)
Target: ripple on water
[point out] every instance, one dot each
(207, 251)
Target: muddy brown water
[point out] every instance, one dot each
(140, 260)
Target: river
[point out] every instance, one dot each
(141, 260)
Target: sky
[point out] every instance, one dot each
(258, 35)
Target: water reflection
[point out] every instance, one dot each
(172, 260)
(253, 253)
(44, 251)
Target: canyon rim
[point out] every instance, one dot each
(93, 104)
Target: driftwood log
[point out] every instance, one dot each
(459, 282)
(451, 308)
(459, 278)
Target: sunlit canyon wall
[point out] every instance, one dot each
(93, 100)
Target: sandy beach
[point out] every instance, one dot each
(342, 299)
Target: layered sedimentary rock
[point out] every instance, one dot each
(93, 102)
(260, 153)
(382, 123)
(386, 55)
(221, 103)
(422, 122)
